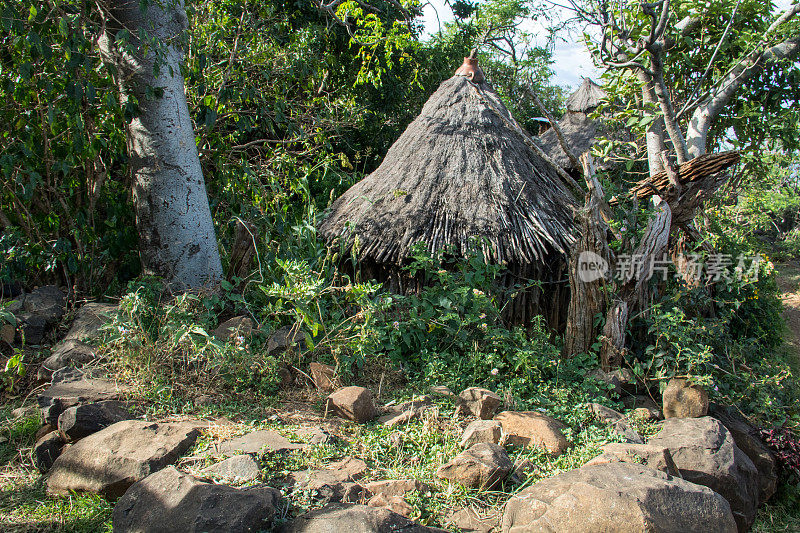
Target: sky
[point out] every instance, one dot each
(572, 62)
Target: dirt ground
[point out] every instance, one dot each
(789, 284)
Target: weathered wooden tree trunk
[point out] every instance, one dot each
(587, 298)
(176, 232)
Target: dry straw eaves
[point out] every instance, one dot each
(457, 172)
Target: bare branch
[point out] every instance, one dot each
(554, 123)
(721, 93)
(722, 40)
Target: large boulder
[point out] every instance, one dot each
(618, 497)
(352, 403)
(484, 466)
(683, 400)
(747, 439)
(113, 459)
(82, 420)
(478, 402)
(70, 352)
(533, 429)
(170, 500)
(706, 454)
(353, 519)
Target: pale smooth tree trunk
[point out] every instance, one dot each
(176, 232)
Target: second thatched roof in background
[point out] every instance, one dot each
(586, 98)
(579, 130)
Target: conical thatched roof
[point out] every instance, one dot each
(458, 171)
(579, 131)
(586, 98)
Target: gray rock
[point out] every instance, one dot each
(241, 467)
(478, 402)
(618, 422)
(682, 400)
(257, 443)
(67, 353)
(352, 403)
(285, 338)
(82, 420)
(484, 466)
(40, 312)
(337, 517)
(234, 327)
(170, 500)
(324, 376)
(706, 454)
(533, 429)
(88, 321)
(46, 450)
(62, 395)
(618, 497)
(468, 521)
(113, 459)
(747, 439)
(48, 301)
(481, 431)
(650, 455)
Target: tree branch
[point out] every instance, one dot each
(554, 123)
(718, 98)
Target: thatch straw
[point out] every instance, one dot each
(586, 98)
(580, 133)
(457, 172)
(579, 130)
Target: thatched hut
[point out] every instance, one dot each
(460, 171)
(579, 130)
